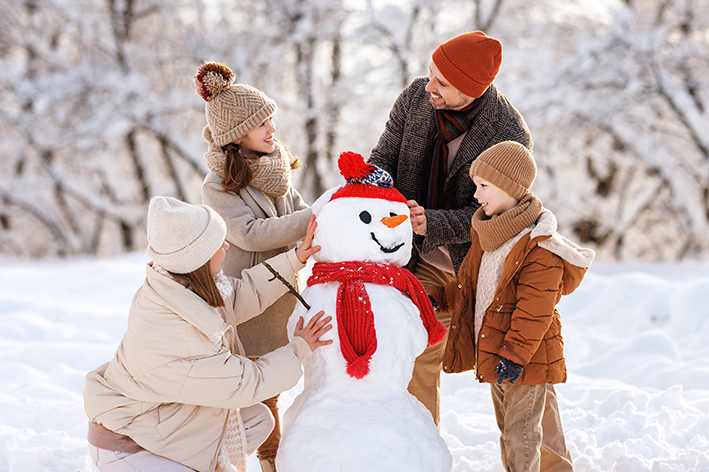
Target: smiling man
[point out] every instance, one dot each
(437, 127)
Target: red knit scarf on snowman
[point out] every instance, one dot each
(355, 320)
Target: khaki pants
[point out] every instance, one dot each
(425, 382)
(531, 437)
(555, 455)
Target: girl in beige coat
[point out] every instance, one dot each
(249, 185)
(179, 395)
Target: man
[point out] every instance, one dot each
(437, 127)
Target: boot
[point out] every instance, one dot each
(268, 465)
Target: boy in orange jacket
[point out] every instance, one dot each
(504, 323)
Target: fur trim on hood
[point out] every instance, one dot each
(558, 244)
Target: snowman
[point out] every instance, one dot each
(355, 412)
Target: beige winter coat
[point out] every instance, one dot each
(258, 227)
(174, 376)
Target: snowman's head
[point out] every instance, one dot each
(366, 220)
(364, 229)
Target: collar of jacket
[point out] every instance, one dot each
(185, 303)
(546, 236)
(575, 258)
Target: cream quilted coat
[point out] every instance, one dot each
(177, 370)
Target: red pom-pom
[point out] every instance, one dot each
(358, 368)
(352, 166)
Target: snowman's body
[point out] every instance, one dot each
(342, 423)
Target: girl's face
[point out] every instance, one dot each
(492, 199)
(259, 139)
(215, 263)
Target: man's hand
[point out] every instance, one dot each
(418, 217)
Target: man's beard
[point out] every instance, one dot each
(462, 103)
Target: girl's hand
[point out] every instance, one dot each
(315, 328)
(306, 248)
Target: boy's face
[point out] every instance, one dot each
(493, 200)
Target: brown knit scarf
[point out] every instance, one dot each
(271, 173)
(493, 232)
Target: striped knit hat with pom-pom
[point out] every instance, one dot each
(232, 110)
(365, 180)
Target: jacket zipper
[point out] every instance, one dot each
(499, 307)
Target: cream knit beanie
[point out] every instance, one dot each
(183, 237)
(507, 165)
(232, 110)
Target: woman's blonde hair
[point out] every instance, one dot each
(201, 282)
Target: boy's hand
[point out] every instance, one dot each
(508, 370)
(306, 248)
(315, 328)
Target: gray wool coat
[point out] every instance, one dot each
(258, 228)
(401, 151)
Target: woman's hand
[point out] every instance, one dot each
(315, 328)
(306, 248)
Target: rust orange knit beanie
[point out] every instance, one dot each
(470, 62)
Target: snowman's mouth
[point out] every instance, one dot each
(387, 250)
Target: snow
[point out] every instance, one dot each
(637, 397)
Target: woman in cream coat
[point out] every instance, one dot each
(171, 397)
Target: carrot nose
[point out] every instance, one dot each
(394, 221)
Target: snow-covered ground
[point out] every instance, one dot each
(637, 348)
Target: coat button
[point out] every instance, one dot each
(481, 377)
(482, 335)
(460, 286)
(453, 327)
(445, 368)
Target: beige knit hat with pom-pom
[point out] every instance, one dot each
(232, 110)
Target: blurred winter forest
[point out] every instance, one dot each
(98, 111)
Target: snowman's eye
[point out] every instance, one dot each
(391, 213)
(365, 217)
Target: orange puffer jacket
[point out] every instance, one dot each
(522, 323)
